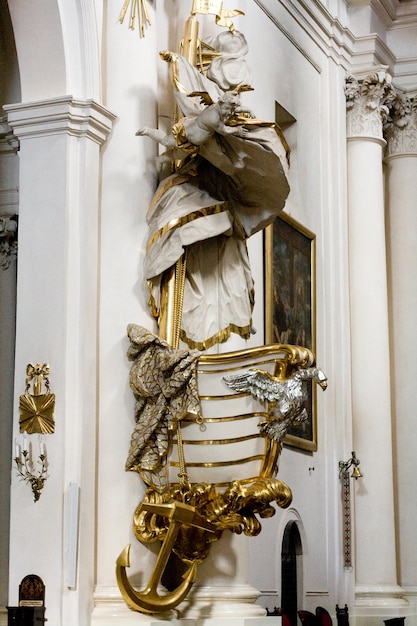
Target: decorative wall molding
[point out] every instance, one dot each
(79, 118)
(9, 201)
(8, 142)
(330, 33)
(370, 50)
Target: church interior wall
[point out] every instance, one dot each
(311, 202)
(83, 214)
(41, 58)
(310, 85)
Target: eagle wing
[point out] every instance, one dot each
(261, 384)
(288, 396)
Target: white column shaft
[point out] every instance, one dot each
(371, 400)
(402, 233)
(57, 323)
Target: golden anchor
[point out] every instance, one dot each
(148, 600)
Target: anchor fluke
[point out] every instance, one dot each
(123, 559)
(190, 575)
(149, 600)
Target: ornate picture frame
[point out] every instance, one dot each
(290, 307)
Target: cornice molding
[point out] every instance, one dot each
(405, 10)
(333, 36)
(370, 50)
(64, 115)
(8, 142)
(327, 32)
(390, 12)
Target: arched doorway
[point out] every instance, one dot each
(291, 570)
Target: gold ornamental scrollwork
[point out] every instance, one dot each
(184, 514)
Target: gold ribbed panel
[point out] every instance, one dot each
(228, 418)
(249, 459)
(278, 360)
(295, 355)
(218, 442)
(229, 396)
(244, 481)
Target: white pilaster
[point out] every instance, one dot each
(376, 584)
(401, 192)
(57, 323)
(9, 174)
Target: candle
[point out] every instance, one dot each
(16, 449)
(25, 443)
(42, 447)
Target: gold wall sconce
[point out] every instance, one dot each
(36, 478)
(344, 467)
(37, 408)
(36, 412)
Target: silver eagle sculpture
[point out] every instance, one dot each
(286, 398)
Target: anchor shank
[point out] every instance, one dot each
(163, 555)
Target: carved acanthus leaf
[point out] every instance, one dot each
(366, 110)
(8, 240)
(401, 126)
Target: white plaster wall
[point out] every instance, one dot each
(310, 86)
(41, 63)
(128, 182)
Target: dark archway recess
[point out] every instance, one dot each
(291, 548)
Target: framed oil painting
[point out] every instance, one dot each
(290, 305)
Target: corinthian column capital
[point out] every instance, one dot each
(8, 240)
(366, 109)
(401, 125)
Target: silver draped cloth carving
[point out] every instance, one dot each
(164, 383)
(230, 188)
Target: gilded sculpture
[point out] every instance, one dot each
(227, 180)
(286, 398)
(188, 515)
